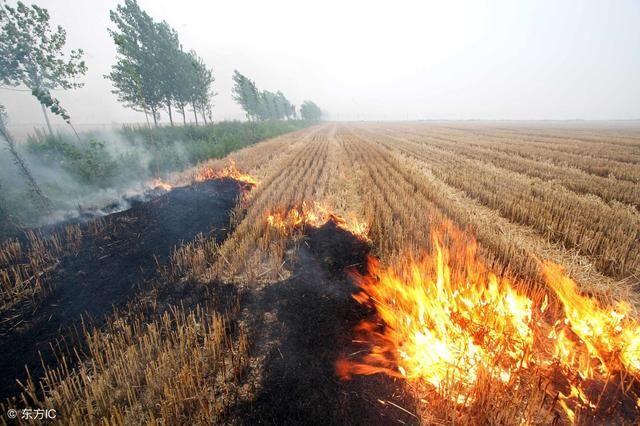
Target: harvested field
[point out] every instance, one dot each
(348, 273)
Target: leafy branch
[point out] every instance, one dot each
(53, 104)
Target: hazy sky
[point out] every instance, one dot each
(383, 60)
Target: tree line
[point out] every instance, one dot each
(260, 105)
(265, 105)
(152, 72)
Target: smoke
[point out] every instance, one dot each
(103, 173)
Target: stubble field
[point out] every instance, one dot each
(422, 273)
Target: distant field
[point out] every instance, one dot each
(257, 321)
(570, 194)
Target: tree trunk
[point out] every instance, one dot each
(204, 116)
(195, 114)
(170, 115)
(155, 117)
(146, 115)
(22, 166)
(184, 116)
(74, 131)
(46, 118)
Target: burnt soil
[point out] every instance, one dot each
(110, 269)
(312, 312)
(313, 327)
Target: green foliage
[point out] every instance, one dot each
(167, 149)
(44, 97)
(260, 105)
(31, 54)
(310, 111)
(88, 161)
(152, 72)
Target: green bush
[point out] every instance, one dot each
(90, 162)
(170, 149)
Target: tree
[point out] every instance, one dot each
(261, 105)
(268, 107)
(152, 72)
(202, 80)
(207, 109)
(31, 54)
(21, 163)
(284, 105)
(139, 68)
(310, 111)
(167, 46)
(185, 84)
(246, 94)
(127, 84)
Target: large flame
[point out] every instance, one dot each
(230, 171)
(315, 214)
(446, 320)
(440, 324)
(595, 339)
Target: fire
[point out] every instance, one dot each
(576, 395)
(159, 183)
(230, 171)
(440, 325)
(608, 338)
(315, 214)
(447, 320)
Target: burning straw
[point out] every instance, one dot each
(447, 321)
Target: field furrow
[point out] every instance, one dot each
(596, 165)
(609, 236)
(579, 181)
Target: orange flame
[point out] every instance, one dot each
(159, 183)
(575, 396)
(230, 171)
(315, 214)
(608, 337)
(446, 320)
(440, 325)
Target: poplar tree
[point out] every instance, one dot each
(31, 54)
(310, 111)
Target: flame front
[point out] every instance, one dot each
(315, 214)
(440, 325)
(230, 171)
(446, 320)
(597, 339)
(159, 183)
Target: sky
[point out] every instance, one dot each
(375, 60)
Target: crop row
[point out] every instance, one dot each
(607, 188)
(609, 236)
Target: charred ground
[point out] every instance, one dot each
(302, 326)
(299, 326)
(112, 265)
